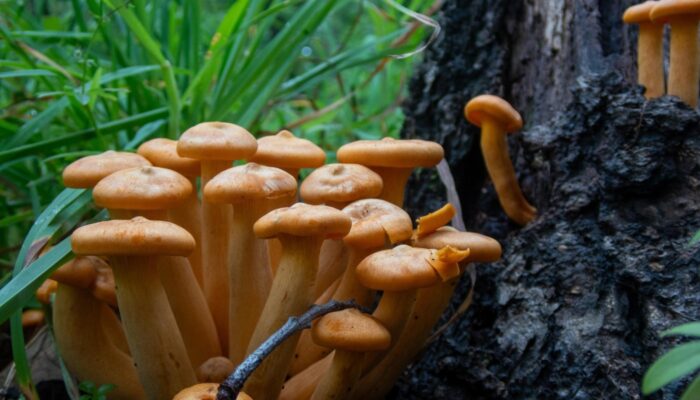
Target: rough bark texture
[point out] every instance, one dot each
(575, 306)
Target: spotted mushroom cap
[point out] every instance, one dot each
(494, 107)
(375, 223)
(303, 220)
(284, 150)
(204, 391)
(482, 248)
(340, 183)
(401, 268)
(639, 13)
(250, 182)
(87, 171)
(143, 188)
(217, 141)
(137, 236)
(666, 10)
(392, 153)
(162, 153)
(351, 330)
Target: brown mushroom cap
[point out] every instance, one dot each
(87, 171)
(639, 13)
(217, 141)
(393, 153)
(284, 150)
(401, 268)
(43, 294)
(204, 391)
(32, 317)
(482, 247)
(495, 107)
(143, 188)
(374, 221)
(79, 272)
(137, 236)
(250, 182)
(215, 369)
(162, 153)
(303, 220)
(340, 183)
(667, 9)
(351, 330)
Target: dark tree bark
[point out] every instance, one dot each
(575, 307)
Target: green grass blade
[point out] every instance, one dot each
(689, 329)
(692, 392)
(23, 373)
(36, 124)
(27, 73)
(52, 35)
(677, 363)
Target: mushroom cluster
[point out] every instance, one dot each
(182, 284)
(684, 69)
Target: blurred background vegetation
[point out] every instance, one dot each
(80, 77)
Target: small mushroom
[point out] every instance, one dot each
(204, 391)
(217, 145)
(87, 171)
(44, 292)
(32, 318)
(163, 153)
(215, 369)
(650, 49)
(253, 190)
(351, 334)
(133, 247)
(496, 118)
(684, 73)
(301, 230)
(288, 152)
(394, 160)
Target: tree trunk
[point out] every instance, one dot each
(575, 307)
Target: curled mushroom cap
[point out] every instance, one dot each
(374, 221)
(162, 152)
(142, 188)
(215, 369)
(401, 268)
(204, 391)
(340, 183)
(351, 330)
(483, 248)
(639, 13)
(217, 141)
(303, 220)
(250, 182)
(87, 171)
(43, 294)
(664, 10)
(389, 152)
(284, 150)
(137, 236)
(489, 106)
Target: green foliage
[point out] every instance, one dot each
(679, 362)
(93, 392)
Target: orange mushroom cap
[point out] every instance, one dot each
(489, 106)
(394, 153)
(351, 330)
(163, 153)
(482, 248)
(142, 188)
(215, 369)
(137, 236)
(87, 171)
(250, 182)
(79, 272)
(374, 221)
(639, 13)
(401, 268)
(668, 9)
(204, 391)
(33, 317)
(284, 150)
(303, 220)
(43, 294)
(340, 183)
(217, 141)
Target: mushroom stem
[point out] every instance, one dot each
(495, 150)
(332, 261)
(216, 221)
(683, 76)
(290, 295)
(156, 344)
(394, 180)
(189, 216)
(337, 382)
(250, 278)
(85, 342)
(650, 60)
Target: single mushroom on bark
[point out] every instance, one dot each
(650, 49)
(496, 118)
(217, 145)
(133, 247)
